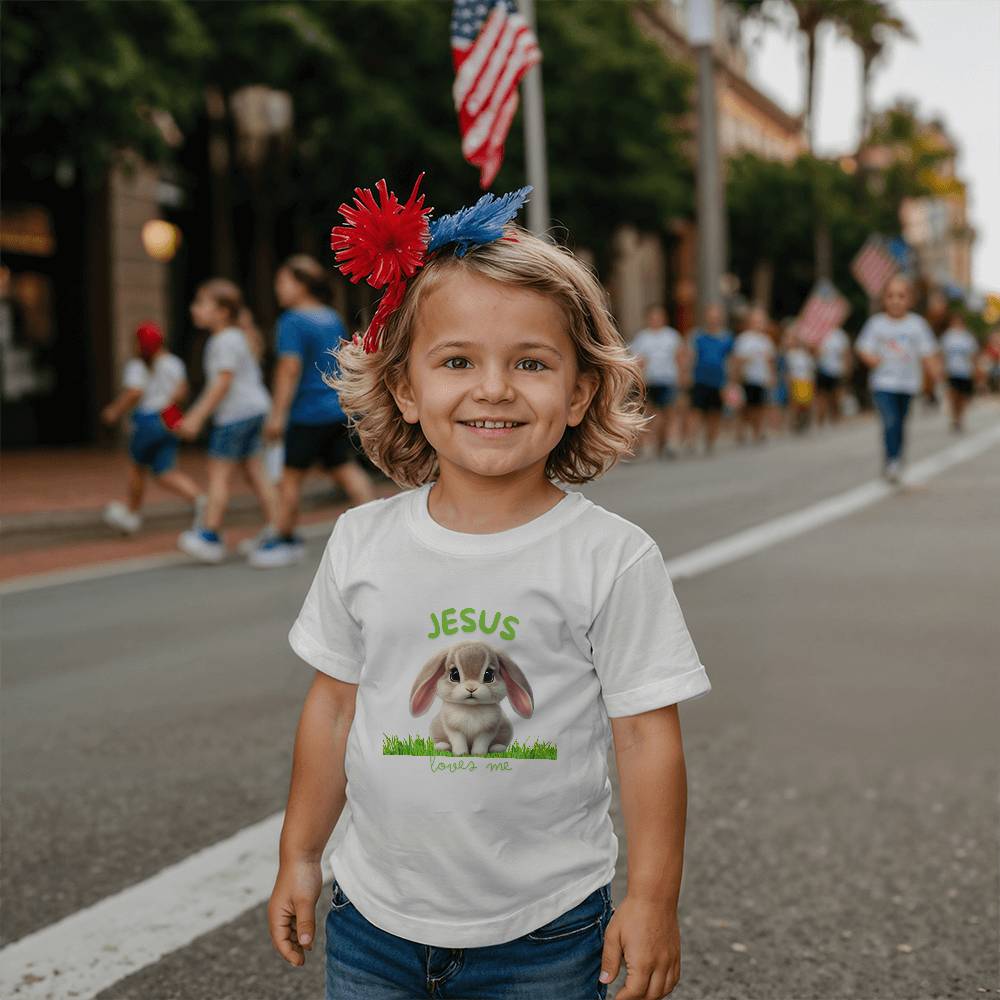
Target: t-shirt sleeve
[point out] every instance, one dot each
(642, 650)
(928, 345)
(867, 339)
(226, 352)
(135, 375)
(289, 336)
(325, 634)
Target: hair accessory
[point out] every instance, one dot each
(150, 338)
(477, 224)
(385, 243)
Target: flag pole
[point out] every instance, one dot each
(534, 137)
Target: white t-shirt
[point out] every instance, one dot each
(756, 349)
(228, 351)
(659, 347)
(900, 344)
(159, 385)
(960, 349)
(833, 353)
(579, 604)
(800, 364)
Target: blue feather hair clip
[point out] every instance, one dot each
(476, 224)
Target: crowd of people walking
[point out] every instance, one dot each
(300, 418)
(763, 380)
(771, 377)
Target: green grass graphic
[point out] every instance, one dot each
(421, 746)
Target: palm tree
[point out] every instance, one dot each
(870, 24)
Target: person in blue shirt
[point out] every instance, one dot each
(711, 346)
(305, 411)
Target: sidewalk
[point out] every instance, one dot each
(52, 501)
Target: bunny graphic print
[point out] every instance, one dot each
(487, 667)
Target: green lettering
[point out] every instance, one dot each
(437, 628)
(482, 622)
(508, 627)
(468, 615)
(448, 621)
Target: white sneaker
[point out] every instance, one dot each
(118, 516)
(275, 552)
(194, 544)
(249, 545)
(892, 472)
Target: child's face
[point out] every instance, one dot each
(206, 313)
(482, 349)
(288, 289)
(897, 298)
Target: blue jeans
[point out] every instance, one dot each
(892, 408)
(152, 445)
(238, 441)
(560, 960)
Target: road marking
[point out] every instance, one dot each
(91, 950)
(762, 536)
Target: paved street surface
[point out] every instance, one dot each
(843, 773)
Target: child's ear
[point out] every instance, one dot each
(402, 393)
(587, 384)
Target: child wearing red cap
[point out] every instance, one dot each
(153, 385)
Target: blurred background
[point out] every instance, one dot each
(150, 703)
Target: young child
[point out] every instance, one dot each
(961, 352)
(663, 355)
(306, 414)
(753, 363)
(154, 383)
(479, 637)
(235, 396)
(712, 346)
(898, 347)
(801, 364)
(833, 366)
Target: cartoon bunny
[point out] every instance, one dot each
(471, 678)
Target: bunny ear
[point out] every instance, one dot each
(518, 688)
(423, 691)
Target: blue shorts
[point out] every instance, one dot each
(237, 441)
(561, 959)
(151, 444)
(661, 393)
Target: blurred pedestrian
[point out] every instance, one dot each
(898, 348)
(305, 412)
(711, 346)
(833, 367)
(237, 402)
(960, 351)
(753, 367)
(663, 355)
(486, 429)
(801, 363)
(154, 384)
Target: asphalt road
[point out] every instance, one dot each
(843, 816)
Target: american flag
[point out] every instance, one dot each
(492, 48)
(824, 310)
(873, 265)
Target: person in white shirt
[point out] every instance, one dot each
(238, 402)
(753, 361)
(154, 384)
(476, 641)
(800, 363)
(663, 355)
(960, 350)
(898, 348)
(833, 366)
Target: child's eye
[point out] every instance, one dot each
(447, 363)
(535, 361)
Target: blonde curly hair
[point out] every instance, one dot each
(611, 426)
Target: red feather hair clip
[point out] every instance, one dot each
(383, 242)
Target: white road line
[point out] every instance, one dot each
(96, 947)
(761, 536)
